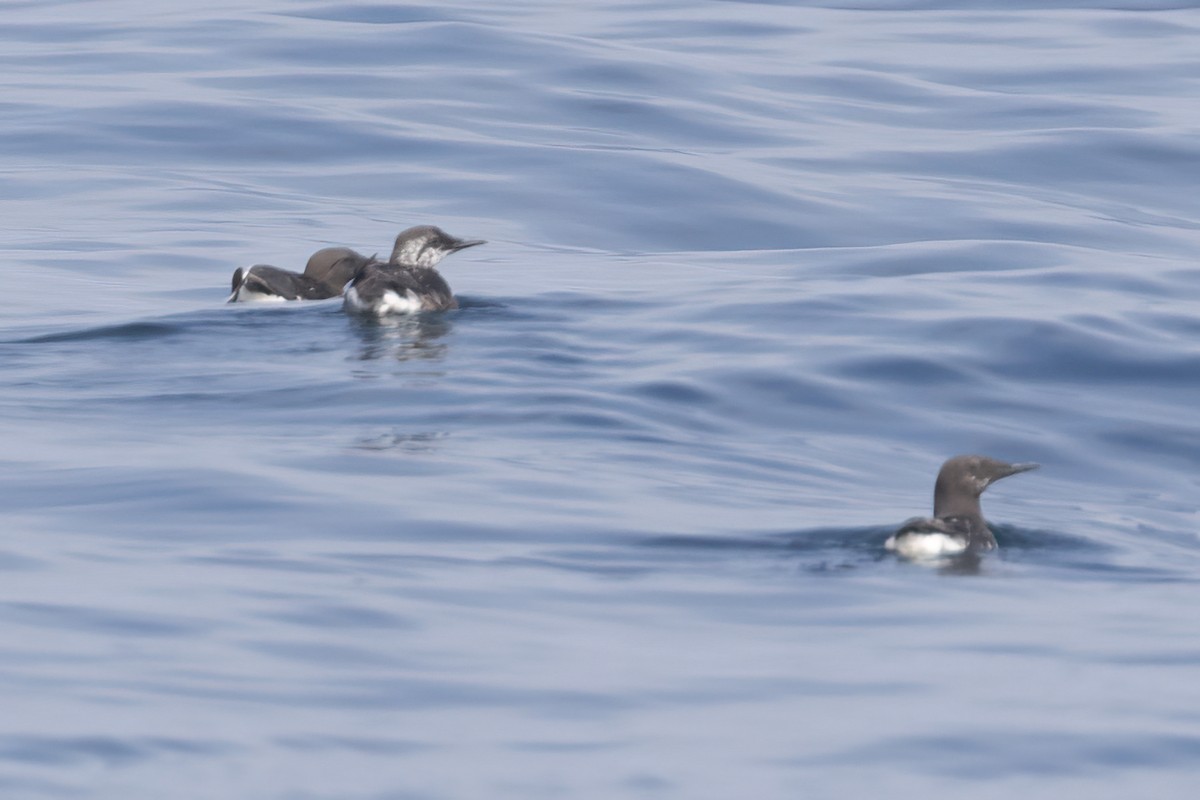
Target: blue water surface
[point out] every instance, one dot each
(614, 528)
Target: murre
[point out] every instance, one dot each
(408, 283)
(326, 274)
(957, 525)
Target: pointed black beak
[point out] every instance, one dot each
(1013, 469)
(463, 244)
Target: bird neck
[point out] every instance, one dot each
(948, 503)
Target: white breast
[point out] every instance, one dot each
(926, 545)
(245, 295)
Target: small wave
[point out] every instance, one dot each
(128, 330)
(106, 750)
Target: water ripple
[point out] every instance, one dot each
(615, 526)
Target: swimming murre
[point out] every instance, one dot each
(957, 525)
(408, 283)
(325, 275)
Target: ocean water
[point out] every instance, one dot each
(614, 528)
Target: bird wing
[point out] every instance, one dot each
(948, 525)
(266, 279)
(374, 281)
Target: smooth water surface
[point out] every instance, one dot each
(613, 528)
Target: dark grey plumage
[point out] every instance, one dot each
(325, 275)
(382, 289)
(408, 282)
(957, 524)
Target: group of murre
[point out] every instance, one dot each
(405, 284)
(408, 283)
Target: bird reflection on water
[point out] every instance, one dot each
(410, 340)
(406, 337)
(421, 442)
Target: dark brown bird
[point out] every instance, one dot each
(408, 283)
(957, 524)
(326, 274)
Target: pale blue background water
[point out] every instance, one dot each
(613, 529)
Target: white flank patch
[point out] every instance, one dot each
(391, 303)
(244, 295)
(926, 545)
(352, 301)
